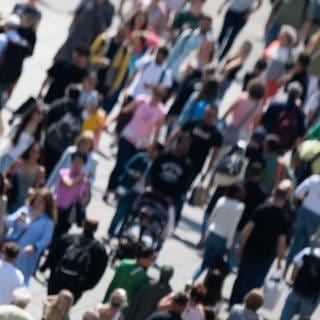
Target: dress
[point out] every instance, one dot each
(37, 232)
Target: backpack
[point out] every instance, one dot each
(307, 282)
(75, 262)
(61, 134)
(304, 168)
(286, 126)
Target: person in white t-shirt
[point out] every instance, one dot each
(150, 71)
(10, 277)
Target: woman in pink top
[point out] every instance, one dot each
(142, 130)
(245, 113)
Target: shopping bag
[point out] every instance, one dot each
(199, 196)
(272, 289)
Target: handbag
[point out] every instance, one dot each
(199, 196)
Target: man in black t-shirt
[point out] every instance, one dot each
(262, 239)
(63, 73)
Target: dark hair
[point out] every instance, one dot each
(10, 249)
(213, 283)
(254, 299)
(209, 89)
(163, 50)
(90, 225)
(261, 64)
(2, 184)
(234, 191)
(130, 21)
(256, 89)
(304, 59)
(80, 155)
(206, 17)
(73, 91)
(280, 193)
(26, 154)
(25, 121)
(144, 252)
(180, 298)
(82, 51)
(197, 293)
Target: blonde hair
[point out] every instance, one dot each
(60, 306)
(85, 135)
(243, 51)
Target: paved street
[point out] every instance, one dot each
(180, 249)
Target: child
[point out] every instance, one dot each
(94, 117)
(72, 190)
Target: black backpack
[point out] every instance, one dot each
(61, 134)
(75, 262)
(307, 282)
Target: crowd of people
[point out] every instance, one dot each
(156, 82)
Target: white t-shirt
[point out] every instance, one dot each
(298, 259)
(10, 279)
(150, 73)
(310, 188)
(192, 313)
(240, 5)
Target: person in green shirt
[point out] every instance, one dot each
(131, 275)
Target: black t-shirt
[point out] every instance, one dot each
(169, 174)
(203, 138)
(63, 74)
(253, 198)
(269, 223)
(164, 315)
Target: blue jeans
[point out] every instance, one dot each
(297, 304)
(232, 24)
(125, 151)
(215, 247)
(122, 214)
(307, 225)
(252, 272)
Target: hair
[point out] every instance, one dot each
(234, 191)
(163, 50)
(2, 184)
(82, 51)
(10, 249)
(49, 203)
(73, 91)
(206, 17)
(287, 185)
(60, 306)
(294, 90)
(256, 89)
(280, 193)
(213, 283)
(180, 298)
(261, 64)
(26, 118)
(25, 156)
(243, 51)
(290, 32)
(90, 225)
(272, 143)
(118, 298)
(254, 299)
(209, 89)
(198, 293)
(131, 20)
(166, 273)
(144, 252)
(79, 155)
(304, 59)
(85, 135)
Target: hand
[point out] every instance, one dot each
(103, 62)
(27, 250)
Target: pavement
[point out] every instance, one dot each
(179, 250)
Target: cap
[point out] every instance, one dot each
(12, 21)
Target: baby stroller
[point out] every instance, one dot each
(145, 226)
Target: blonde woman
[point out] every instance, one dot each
(234, 62)
(59, 306)
(85, 144)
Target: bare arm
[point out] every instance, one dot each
(48, 80)
(157, 131)
(233, 106)
(247, 230)
(281, 249)
(174, 134)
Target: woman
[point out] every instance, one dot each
(23, 174)
(59, 306)
(195, 106)
(245, 113)
(194, 309)
(31, 227)
(221, 228)
(142, 131)
(85, 144)
(27, 132)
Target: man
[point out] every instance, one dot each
(286, 119)
(305, 293)
(205, 139)
(177, 304)
(64, 73)
(188, 41)
(77, 262)
(237, 16)
(308, 220)
(131, 275)
(146, 300)
(10, 277)
(262, 239)
(15, 311)
(150, 72)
